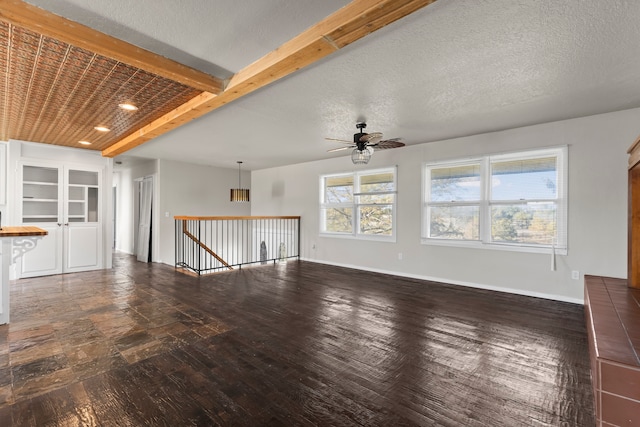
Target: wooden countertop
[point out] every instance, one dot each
(18, 231)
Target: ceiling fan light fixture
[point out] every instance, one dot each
(364, 144)
(360, 157)
(239, 194)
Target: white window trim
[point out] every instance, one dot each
(484, 242)
(355, 225)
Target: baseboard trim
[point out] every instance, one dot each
(455, 282)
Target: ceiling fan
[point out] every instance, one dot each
(364, 144)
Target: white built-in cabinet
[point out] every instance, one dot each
(65, 201)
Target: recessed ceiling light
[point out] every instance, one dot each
(128, 107)
(102, 129)
(84, 142)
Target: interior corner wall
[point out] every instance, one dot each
(597, 210)
(125, 180)
(194, 190)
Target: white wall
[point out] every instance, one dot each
(194, 190)
(597, 210)
(125, 181)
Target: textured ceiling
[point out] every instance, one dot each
(451, 69)
(220, 37)
(54, 93)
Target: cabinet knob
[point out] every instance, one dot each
(66, 224)
(59, 224)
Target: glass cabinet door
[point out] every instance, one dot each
(82, 196)
(40, 194)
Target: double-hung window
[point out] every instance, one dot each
(360, 204)
(510, 201)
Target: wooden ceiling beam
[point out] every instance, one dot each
(24, 15)
(164, 124)
(347, 25)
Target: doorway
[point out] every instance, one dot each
(144, 218)
(114, 217)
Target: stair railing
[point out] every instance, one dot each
(212, 243)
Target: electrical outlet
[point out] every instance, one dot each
(400, 256)
(575, 275)
(313, 246)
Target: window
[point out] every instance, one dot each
(360, 204)
(510, 201)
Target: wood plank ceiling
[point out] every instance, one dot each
(59, 79)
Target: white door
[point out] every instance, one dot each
(82, 248)
(83, 223)
(65, 202)
(41, 206)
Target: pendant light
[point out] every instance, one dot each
(239, 194)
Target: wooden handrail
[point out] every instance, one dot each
(225, 218)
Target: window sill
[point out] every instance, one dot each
(391, 239)
(492, 246)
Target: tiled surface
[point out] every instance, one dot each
(618, 411)
(621, 380)
(612, 313)
(77, 326)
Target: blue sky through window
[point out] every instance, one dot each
(529, 185)
(509, 186)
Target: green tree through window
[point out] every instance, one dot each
(515, 199)
(359, 204)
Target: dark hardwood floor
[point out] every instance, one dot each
(289, 344)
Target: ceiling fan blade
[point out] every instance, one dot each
(388, 143)
(338, 149)
(344, 141)
(371, 138)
